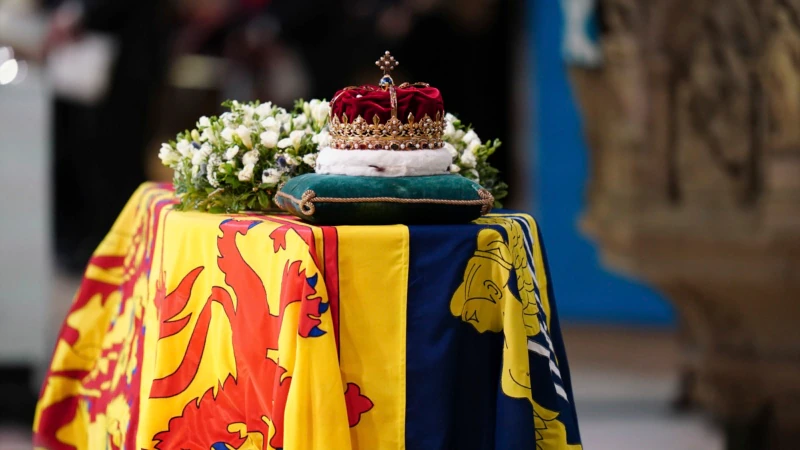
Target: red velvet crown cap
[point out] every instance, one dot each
(367, 101)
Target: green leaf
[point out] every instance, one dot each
(263, 200)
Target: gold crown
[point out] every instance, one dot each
(394, 134)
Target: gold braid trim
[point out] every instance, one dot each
(306, 203)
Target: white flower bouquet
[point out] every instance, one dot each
(237, 161)
(470, 157)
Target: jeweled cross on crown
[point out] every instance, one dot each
(387, 63)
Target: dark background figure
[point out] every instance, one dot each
(98, 149)
(99, 155)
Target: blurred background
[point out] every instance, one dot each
(656, 142)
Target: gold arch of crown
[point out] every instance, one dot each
(424, 134)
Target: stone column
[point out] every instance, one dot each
(693, 123)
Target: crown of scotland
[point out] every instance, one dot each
(387, 117)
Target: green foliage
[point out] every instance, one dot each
(471, 157)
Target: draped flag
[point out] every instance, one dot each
(201, 331)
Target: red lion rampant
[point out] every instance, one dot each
(257, 396)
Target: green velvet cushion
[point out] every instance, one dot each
(349, 200)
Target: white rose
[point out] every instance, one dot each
(309, 106)
(204, 122)
(228, 118)
(250, 158)
(310, 159)
(264, 109)
(297, 137)
(449, 130)
(184, 147)
(269, 139)
(284, 119)
(299, 122)
(473, 146)
(244, 135)
(451, 149)
(246, 174)
(271, 124)
(294, 140)
(322, 139)
(454, 168)
(458, 134)
(208, 135)
(227, 134)
(201, 155)
(166, 147)
(470, 136)
(248, 111)
(169, 157)
(320, 112)
(231, 152)
(249, 116)
(450, 118)
(468, 159)
(271, 176)
(285, 142)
